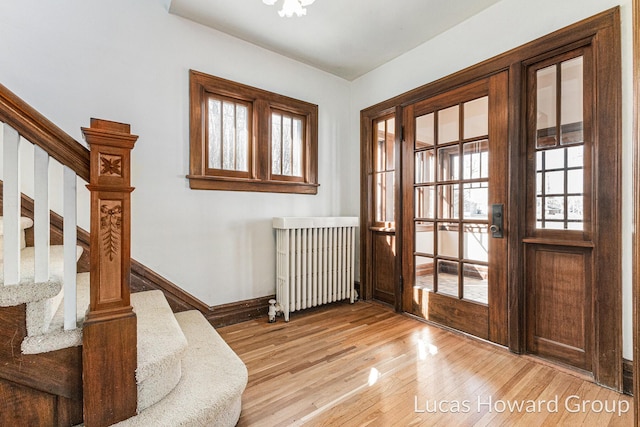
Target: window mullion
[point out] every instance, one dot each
(220, 112)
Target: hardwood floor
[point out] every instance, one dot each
(363, 364)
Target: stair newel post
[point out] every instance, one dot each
(109, 337)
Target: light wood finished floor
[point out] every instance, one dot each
(363, 365)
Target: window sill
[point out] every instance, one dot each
(205, 182)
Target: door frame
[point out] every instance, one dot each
(636, 204)
(602, 31)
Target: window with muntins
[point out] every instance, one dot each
(247, 139)
(561, 143)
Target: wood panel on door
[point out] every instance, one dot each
(559, 303)
(384, 259)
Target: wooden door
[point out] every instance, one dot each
(559, 244)
(382, 231)
(455, 172)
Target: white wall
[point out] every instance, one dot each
(503, 26)
(128, 61)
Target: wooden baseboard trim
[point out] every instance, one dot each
(145, 279)
(241, 311)
(627, 377)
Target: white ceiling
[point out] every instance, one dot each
(347, 38)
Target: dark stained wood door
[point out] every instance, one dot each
(455, 205)
(559, 244)
(384, 205)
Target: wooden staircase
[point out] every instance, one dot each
(100, 355)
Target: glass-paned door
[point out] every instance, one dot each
(559, 244)
(458, 156)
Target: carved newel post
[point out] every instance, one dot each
(109, 352)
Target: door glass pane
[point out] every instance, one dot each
(448, 125)
(575, 156)
(448, 163)
(575, 178)
(553, 159)
(425, 202)
(448, 201)
(476, 117)
(384, 173)
(476, 160)
(424, 167)
(546, 107)
(574, 207)
(380, 146)
(390, 144)
(425, 131)
(424, 272)
(448, 240)
(476, 200)
(571, 101)
(384, 182)
(448, 278)
(424, 237)
(476, 242)
(554, 208)
(475, 283)
(554, 182)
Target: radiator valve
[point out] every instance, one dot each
(274, 308)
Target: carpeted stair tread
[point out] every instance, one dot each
(161, 344)
(56, 337)
(27, 270)
(24, 224)
(210, 390)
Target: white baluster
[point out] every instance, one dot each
(11, 205)
(70, 242)
(41, 214)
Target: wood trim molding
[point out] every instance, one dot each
(144, 279)
(636, 203)
(241, 311)
(42, 132)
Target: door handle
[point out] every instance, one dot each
(497, 221)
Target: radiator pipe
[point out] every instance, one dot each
(274, 309)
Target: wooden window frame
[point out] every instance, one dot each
(293, 115)
(261, 103)
(221, 171)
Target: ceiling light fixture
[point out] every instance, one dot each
(289, 7)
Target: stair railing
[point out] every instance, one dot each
(24, 130)
(109, 331)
